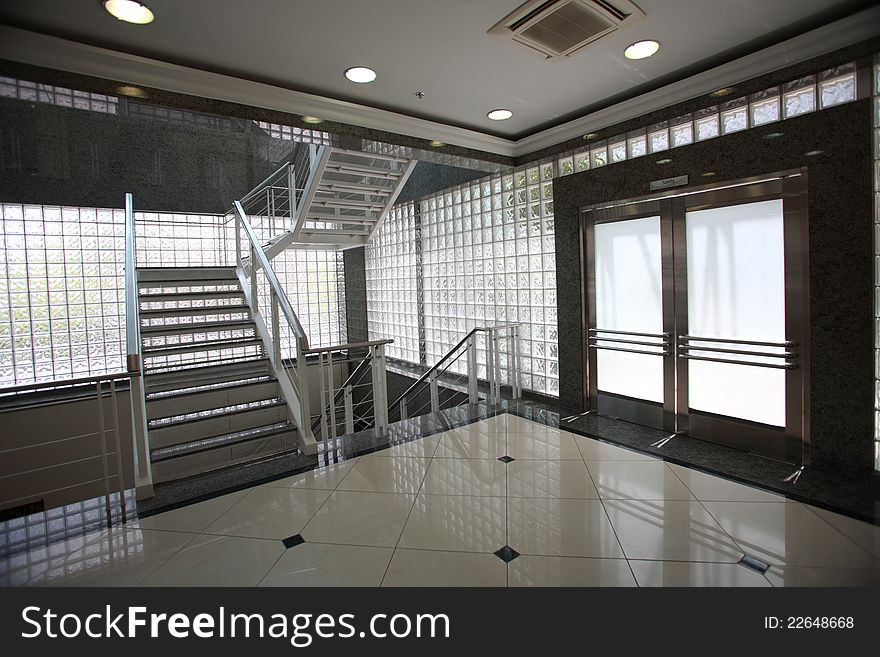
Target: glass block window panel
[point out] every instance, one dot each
(566, 165)
(582, 161)
(291, 133)
(618, 149)
(599, 155)
(637, 144)
(707, 124)
(837, 86)
(682, 132)
(799, 97)
(734, 116)
(392, 262)
(658, 138)
(765, 107)
(60, 96)
(62, 313)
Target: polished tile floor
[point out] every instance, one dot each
(501, 502)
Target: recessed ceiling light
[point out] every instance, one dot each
(360, 74)
(134, 92)
(708, 174)
(129, 11)
(312, 119)
(723, 91)
(774, 135)
(641, 49)
(591, 135)
(437, 144)
(665, 160)
(500, 114)
(814, 153)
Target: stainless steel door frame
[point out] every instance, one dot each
(790, 443)
(661, 416)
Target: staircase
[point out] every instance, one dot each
(343, 202)
(212, 399)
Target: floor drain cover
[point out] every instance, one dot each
(754, 563)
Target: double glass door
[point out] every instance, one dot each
(695, 308)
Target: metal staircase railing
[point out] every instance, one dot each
(462, 382)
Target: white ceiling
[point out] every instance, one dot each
(439, 47)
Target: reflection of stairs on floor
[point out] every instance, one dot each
(212, 399)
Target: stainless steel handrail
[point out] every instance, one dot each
(638, 342)
(738, 352)
(257, 250)
(66, 383)
(593, 331)
(694, 338)
(348, 347)
(436, 366)
(784, 366)
(664, 352)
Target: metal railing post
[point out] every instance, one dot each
(490, 365)
(517, 380)
(380, 389)
(237, 219)
(435, 392)
(349, 411)
(276, 330)
(403, 408)
(472, 368)
(117, 446)
(332, 391)
(303, 378)
(291, 191)
(102, 429)
(255, 301)
(324, 428)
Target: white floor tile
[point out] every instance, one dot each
(465, 477)
(471, 446)
(561, 527)
(324, 564)
(382, 475)
(550, 479)
(671, 531)
(554, 446)
(267, 512)
(218, 561)
(641, 480)
(717, 489)
(865, 535)
(357, 518)
(421, 447)
(788, 534)
(325, 478)
(568, 571)
(595, 450)
(807, 576)
(193, 517)
(435, 568)
(679, 573)
(456, 522)
(122, 556)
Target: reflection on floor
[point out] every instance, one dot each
(500, 502)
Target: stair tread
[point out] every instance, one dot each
(214, 442)
(196, 310)
(193, 327)
(201, 345)
(213, 372)
(231, 384)
(181, 368)
(190, 296)
(214, 413)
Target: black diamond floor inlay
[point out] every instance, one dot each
(506, 459)
(293, 541)
(507, 553)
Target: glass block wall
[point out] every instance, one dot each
(393, 271)
(62, 301)
(489, 258)
(61, 96)
(876, 114)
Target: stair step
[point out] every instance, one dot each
(339, 187)
(274, 441)
(369, 156)
(193, 377)
(182, 366)
(185, 273)
(195, 310)
(207, 345)
(158, 330)
(190, 296)
(224, 440)
(174, 431)
(368, 172)
(194, 400)
(348, 204)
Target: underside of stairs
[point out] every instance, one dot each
(345, 200)
(211, 398)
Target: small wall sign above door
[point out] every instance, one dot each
(666, 183)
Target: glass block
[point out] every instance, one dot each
(707, 124)
(618, 149)
(799, 97)
(765, 107)
(637, 144)
(599, 156)
(734, 116)
(837, 90)
(658, 138)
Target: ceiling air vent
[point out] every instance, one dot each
(557, 28)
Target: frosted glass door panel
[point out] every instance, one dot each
(628, 298)
(736, 291)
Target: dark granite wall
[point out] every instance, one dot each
(840, 252)
(356, 294)
(60, 156)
